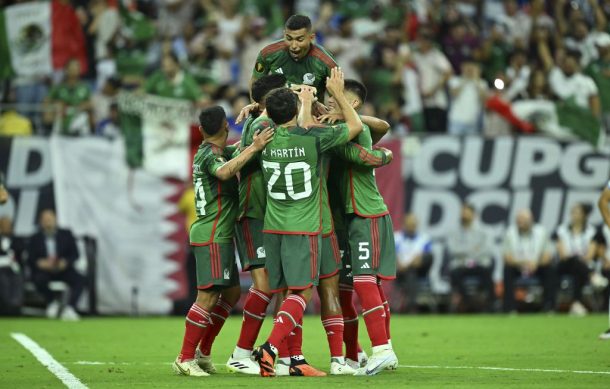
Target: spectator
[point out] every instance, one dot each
(516, 23)
(517, 76)
(576, 252)
(12, 123)
(72, 101)
(599, 71)
(527, 253)
(414, 259)
(460, 45)
(468, 93)
(348, 49)
(11, 280)
(250, 44)
(52, 254)
(110, 127)
(104, 99)
(434, 71)
(173, 82)
(105, 23)
(470, 256)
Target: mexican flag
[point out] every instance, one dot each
(39, 37)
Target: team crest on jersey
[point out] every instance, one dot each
(260, 252)
(308, 79)
(260, 67)
(227, 275)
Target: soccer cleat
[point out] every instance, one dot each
(578, 310)
(353, 364)
(362, 358)
(265, 359)
(282, 368)
(394, 364)
(53, 309)
(337, 368)
(243, 365)
(188, 368)
(305, 370)
(69, 314)
(605, 335)
(378, 362)
(205, 362)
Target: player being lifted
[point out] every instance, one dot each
(371, 246)
(216, 202)
(249, 233)
(293, 219)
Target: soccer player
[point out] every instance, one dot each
(296, 56)
(604, 199)
(293, 220)
(249, 233)
(371, 247)
(216, 202)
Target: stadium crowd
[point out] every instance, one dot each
(430, 66)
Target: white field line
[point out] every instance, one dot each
(49, 362)
(514, 369)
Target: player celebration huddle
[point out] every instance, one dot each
(306, 212)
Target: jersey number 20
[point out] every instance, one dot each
(288, 169)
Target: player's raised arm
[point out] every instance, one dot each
(230, 168)
(307, 97)
(602, 203)
(335, 85)
(358, 155)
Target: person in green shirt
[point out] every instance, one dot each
(599, 71)
(72, 100)
(173, 82)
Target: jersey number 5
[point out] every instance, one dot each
(288, 169)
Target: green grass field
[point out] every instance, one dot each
(434, 351)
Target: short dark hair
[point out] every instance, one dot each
(281, 105)
(296, 22)
(574, 54)
(266, 84)
(211, 119)
(357, 88)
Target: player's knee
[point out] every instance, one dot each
(231, 295)
(207, 298)
(260, 280)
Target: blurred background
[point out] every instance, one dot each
(499, 113)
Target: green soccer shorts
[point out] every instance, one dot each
(371, 245)
(216, 265)
(292, 261)
(249, 237)
(330, 262)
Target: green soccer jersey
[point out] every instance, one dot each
(309, 70)
(357, 184)
(252, 192)
(292, 171)
(184, 87)
(216, 201)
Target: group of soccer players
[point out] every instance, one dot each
(305, 212)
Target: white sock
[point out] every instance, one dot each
(380, 348)
(390, 343)
(285, 360)
(240, 353)
(340, 359)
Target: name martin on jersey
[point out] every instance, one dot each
(285, 153)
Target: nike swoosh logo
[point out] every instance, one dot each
(185, 372)
(370, 372)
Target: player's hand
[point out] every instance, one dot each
(388, 154)
(331, 118)
(298, 87)
(245, 111)
(336, 82)
(261, 138)
(307, 94)
(3, 195)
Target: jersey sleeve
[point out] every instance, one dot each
(261, 66)
(256, 126)
(332, 136)
(213, 162)
(356, 154)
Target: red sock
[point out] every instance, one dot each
(372, 308)
(283, 351)
(290, 314)
(350, 322)
(197, 320)
(295, 340)
(255, 309)
(334, 333)
(386, 307)
(217, 320)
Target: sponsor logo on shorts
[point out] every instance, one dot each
(260, 252)
(227, 274)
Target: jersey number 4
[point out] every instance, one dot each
(288, 170)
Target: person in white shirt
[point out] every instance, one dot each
(468, 93)
(470, 256)
(527, 253)
(434, 71)
(568, 82)
(413, 259)
(576, 252)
